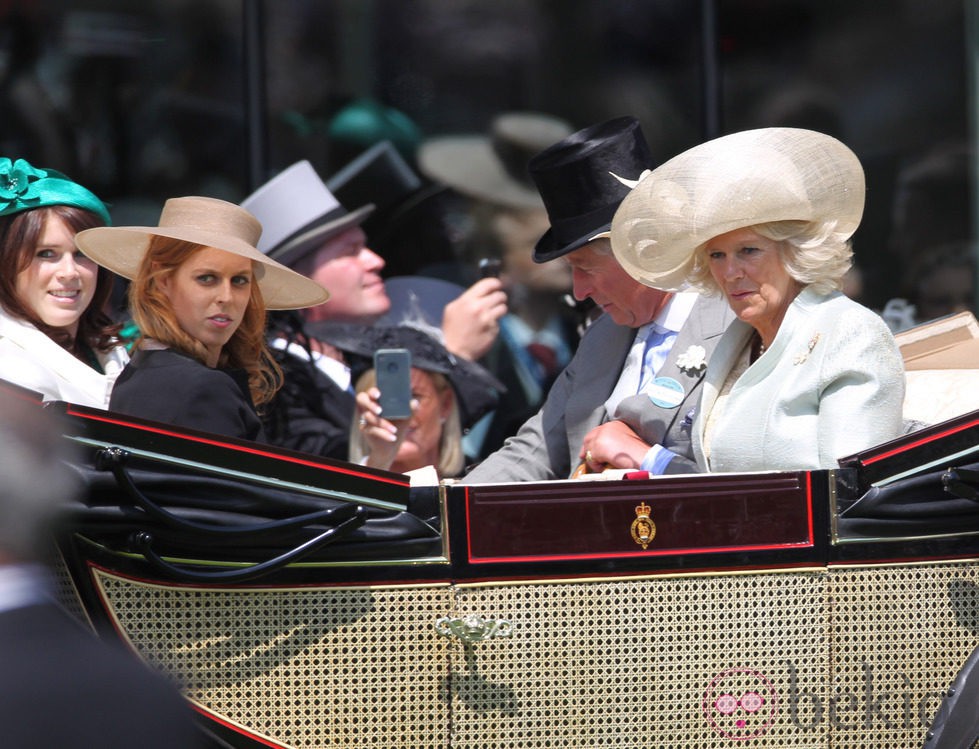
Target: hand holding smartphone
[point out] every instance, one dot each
(393, 370)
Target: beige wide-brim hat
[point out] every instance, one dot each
(208, 222)
(493, 166)
(736, 181)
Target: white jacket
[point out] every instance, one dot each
(831, 384)
(32, 360)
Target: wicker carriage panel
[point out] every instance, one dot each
(643, 663)
(848, 658)
(900, 634)
(65, 590)
(841, 658)
(303, 667)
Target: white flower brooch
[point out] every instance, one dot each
(693, 360)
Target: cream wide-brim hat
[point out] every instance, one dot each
(492, 167)
(208, 222)
(736, 181)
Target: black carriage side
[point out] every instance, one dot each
(302, 602)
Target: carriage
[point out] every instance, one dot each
(302, 602)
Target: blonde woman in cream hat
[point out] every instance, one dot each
(764, 217)
(200, 289)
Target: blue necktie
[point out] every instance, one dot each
(644, 360)
(658, 344)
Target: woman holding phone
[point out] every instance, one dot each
(447, 393)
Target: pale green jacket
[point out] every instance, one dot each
(830, 385)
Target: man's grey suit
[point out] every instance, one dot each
(546, 447)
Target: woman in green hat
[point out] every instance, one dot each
(55, 336)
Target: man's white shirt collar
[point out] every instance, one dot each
(334, 369)
(672, 317)
(675, 314)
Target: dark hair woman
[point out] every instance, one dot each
(55, 336)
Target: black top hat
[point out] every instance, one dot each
(578, 178)
(381, 177)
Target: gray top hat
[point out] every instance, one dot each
(299, 213)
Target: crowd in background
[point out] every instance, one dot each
(141, 104)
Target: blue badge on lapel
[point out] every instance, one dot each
(665, 392)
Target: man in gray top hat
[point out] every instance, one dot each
(306, 228)
(628, 396)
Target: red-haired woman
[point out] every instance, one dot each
(199, 294)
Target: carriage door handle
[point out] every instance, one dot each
(473, 628)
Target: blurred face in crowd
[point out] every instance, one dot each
(209, 293)
(944, 291)
(597, 275)
(59, 283)
(424, 429)
(518, 232)
(351, 272)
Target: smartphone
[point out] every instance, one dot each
(489, 267)
(393, 369)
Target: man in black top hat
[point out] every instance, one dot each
(627, 398)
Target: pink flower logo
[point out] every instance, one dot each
(740, 704)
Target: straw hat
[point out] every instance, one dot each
(739, 180)
(298, 213)
(493, 166)
(208, 222)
